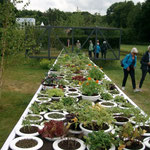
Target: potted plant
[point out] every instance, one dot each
(34, 118)
(95, 73)
(55, 93)
(90, 90)
(128, 135)
(37, 108)
(53, 130)
(100, 141)
(27, 129)
(95, 118)
(106, 96)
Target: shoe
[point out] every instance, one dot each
(135, 90)
(123, 88)
(139, 90)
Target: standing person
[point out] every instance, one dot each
(145, 67)
(78, 45)
(104, 49)
(91, 48)
(98, 49)
(129, 63)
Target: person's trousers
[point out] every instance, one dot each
(144, 72)
(97, 55)
(132, 74)
(103, 55)
(90, 54)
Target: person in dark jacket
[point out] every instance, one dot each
(104, 49)
(129, 63)
(145, 67)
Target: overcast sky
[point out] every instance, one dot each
(92, 6)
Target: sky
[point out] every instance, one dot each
(92, 6)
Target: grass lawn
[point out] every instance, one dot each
(22, 77)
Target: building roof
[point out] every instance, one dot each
(25, 19)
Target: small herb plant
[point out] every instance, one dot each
(100, 140)
(99, 114)
(56, 67)
(129, 132)
(36, 108)
(120, 99)
(106, 96)
(55, 92)
(95, 73)
(90, 87)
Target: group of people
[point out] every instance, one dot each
(129, 65)
(95, 50)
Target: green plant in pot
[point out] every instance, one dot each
(55, 92)
(56, 67)
(90, 87)
(128, 136)
(101, 141)
(95, 118)
(106, 96)
(95, 73)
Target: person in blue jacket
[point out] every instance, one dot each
(129, 63)
(97, 50)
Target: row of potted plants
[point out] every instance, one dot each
(77, 98)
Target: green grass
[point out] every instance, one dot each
(22, 77)
(127, 48)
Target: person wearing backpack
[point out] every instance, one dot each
(129, 64)
(145, 67)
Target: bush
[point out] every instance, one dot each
(44, 63)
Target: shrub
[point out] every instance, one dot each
(44, 63)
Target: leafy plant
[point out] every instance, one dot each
(100, 140)
(90, 87)
(55, 92)
(120, 99)
(97, 113)
(106, 96)
(129, 132)
(109, 85)
(95, 73)
(53, 129)
(56, 67)
(68, 101)
(37, 108)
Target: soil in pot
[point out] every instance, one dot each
(96, 127)
(73, 94)
(107, 104)
(69, 145)
(32, 118)
(26, 143)
(134, 145)
(29, 129)
(74, 127)
(121, 119)
(72, 90)
(55, 115)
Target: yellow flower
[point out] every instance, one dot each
(89, 78)
(74, 119)
(101, 68)
(80, 83)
